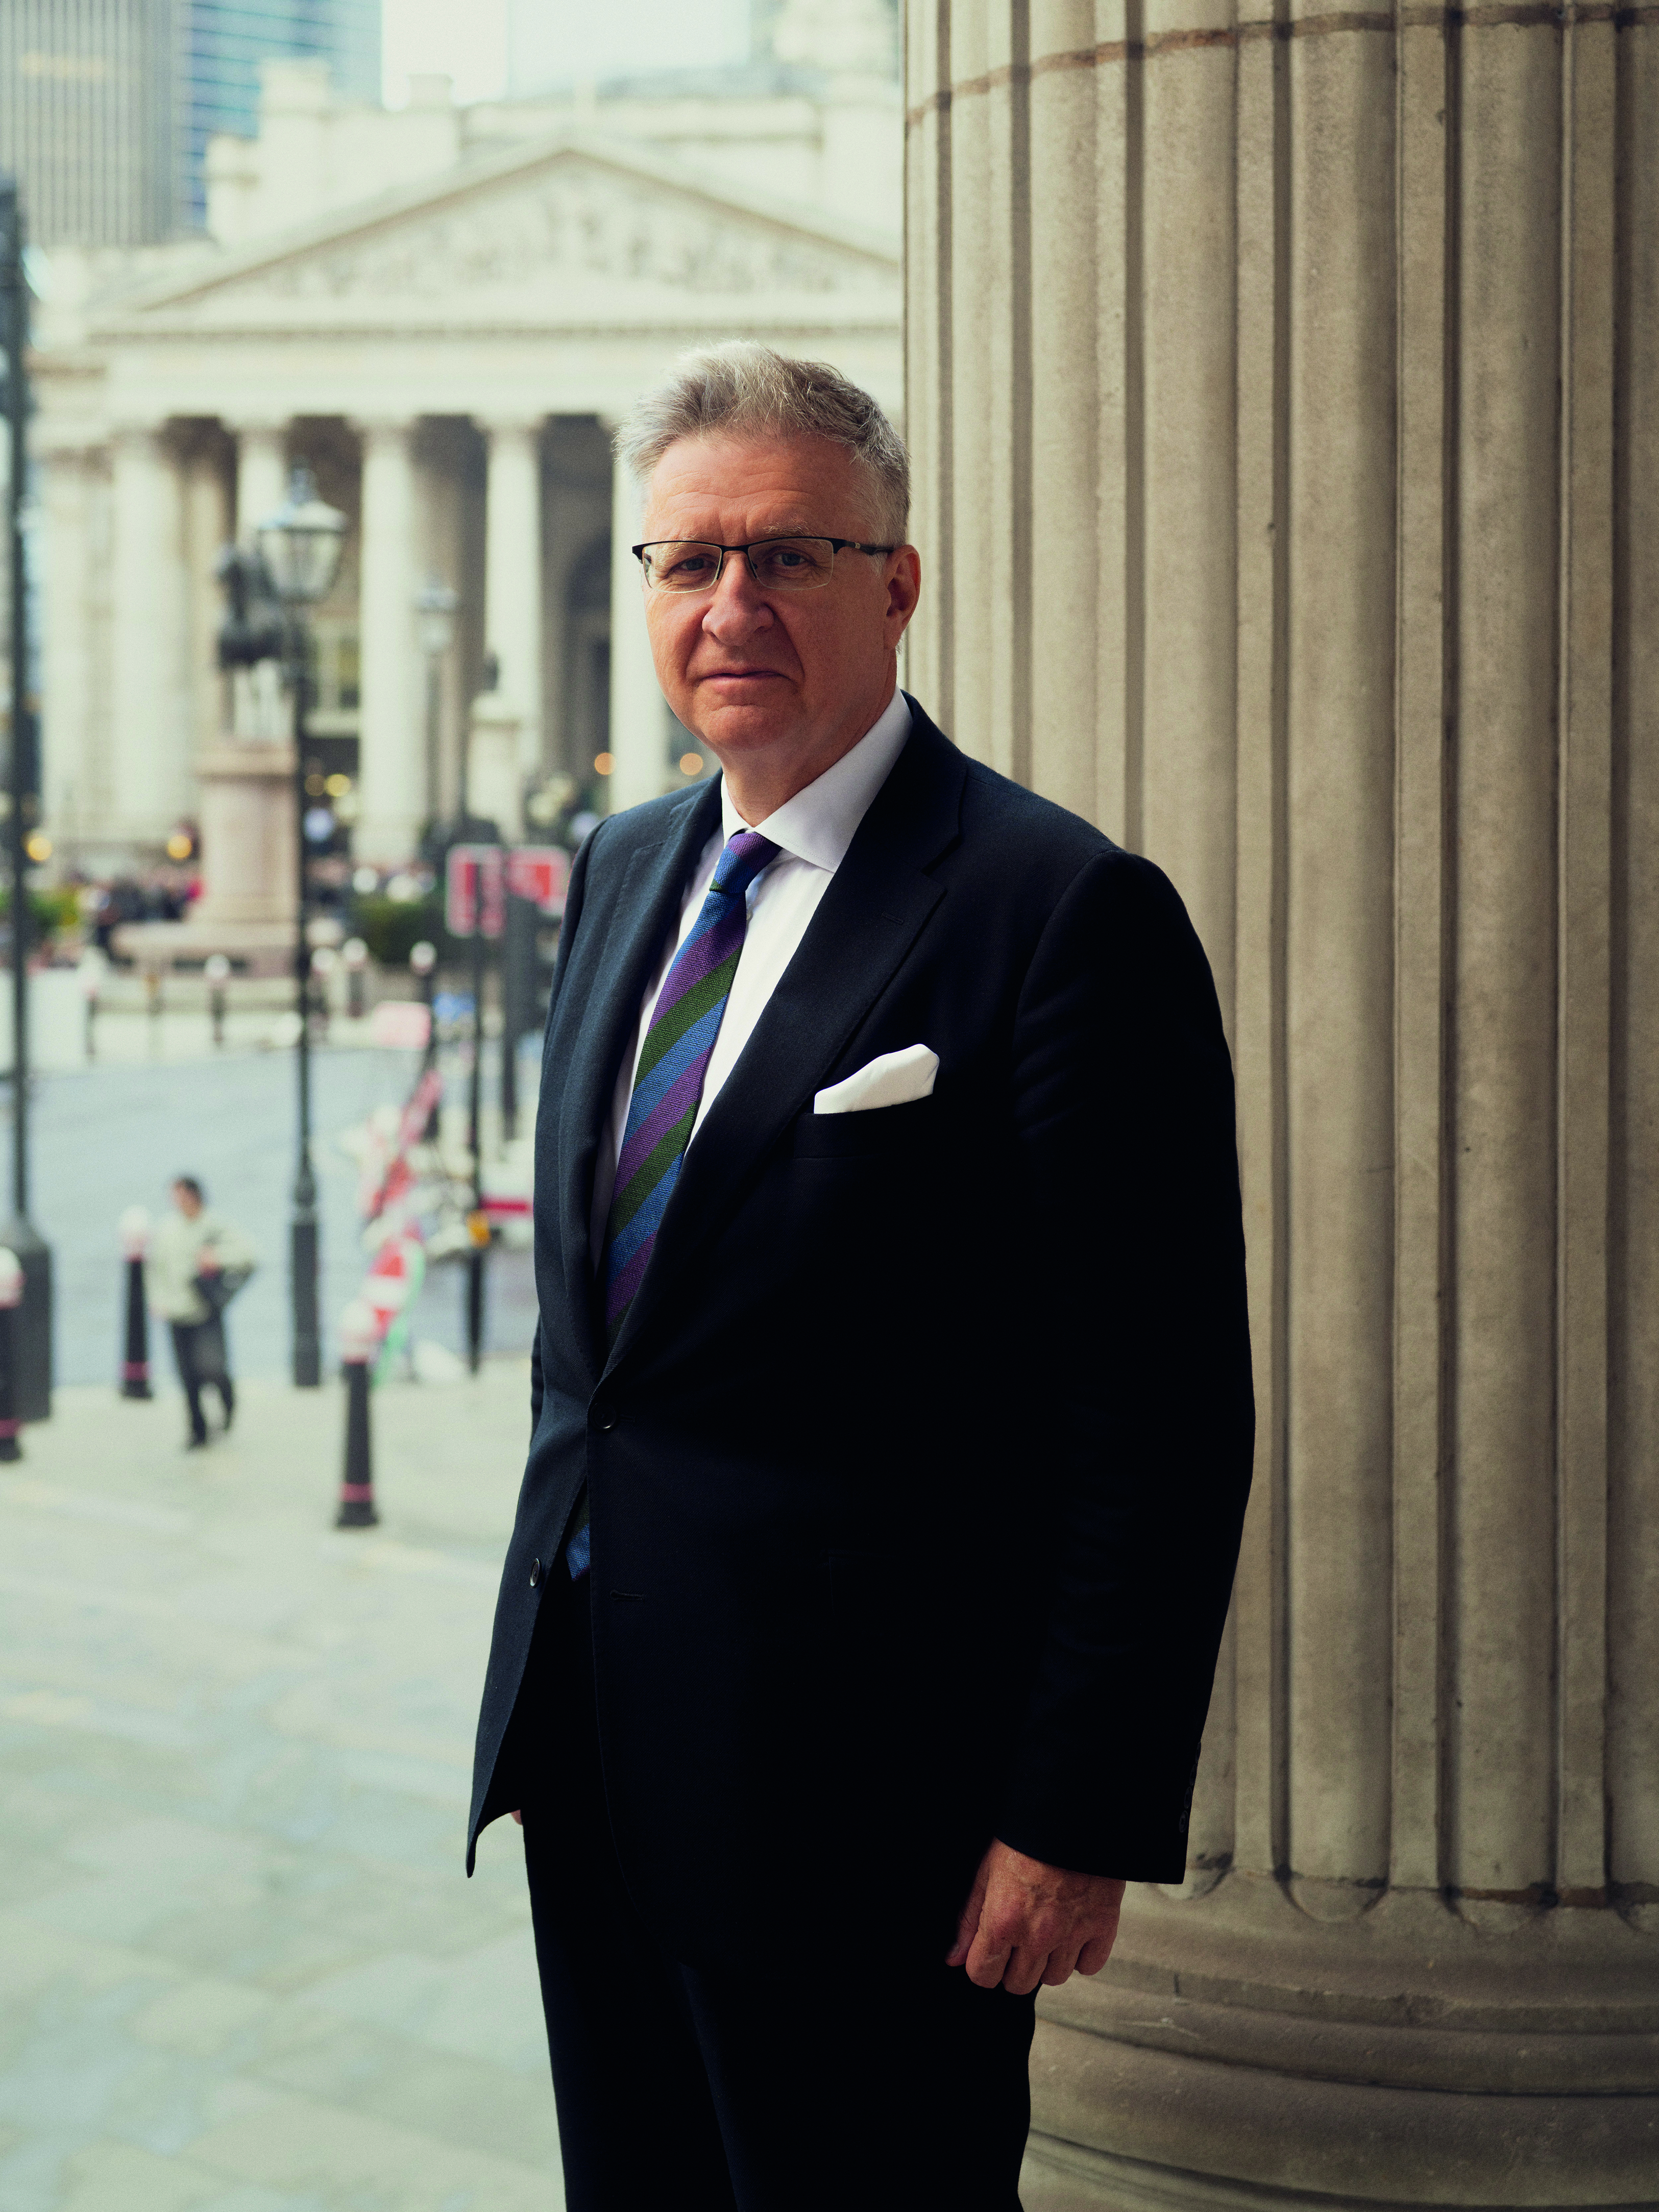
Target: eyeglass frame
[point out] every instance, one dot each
(836, 544)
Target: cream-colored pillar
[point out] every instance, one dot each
(639, 716)
(72, 773)
(261, 475)
(391, 766)
(150, 707)
(208, 496)
(260, 709)
(513, 587)
(1288, 510)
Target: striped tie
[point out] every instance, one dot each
(674, 1062)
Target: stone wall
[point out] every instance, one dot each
(1282, 390)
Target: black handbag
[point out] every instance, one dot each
(218, 1289)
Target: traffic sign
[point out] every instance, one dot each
(540, 874)
(475, 890)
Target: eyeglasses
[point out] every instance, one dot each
(777, 564)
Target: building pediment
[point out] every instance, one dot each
(568, 230)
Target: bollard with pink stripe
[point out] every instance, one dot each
(11, 1297)
(361, 1331)
(135, 1361)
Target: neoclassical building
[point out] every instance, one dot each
(441, 311)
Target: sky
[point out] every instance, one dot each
(563, 39)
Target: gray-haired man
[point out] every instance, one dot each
(892, 1411)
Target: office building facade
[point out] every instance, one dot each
(107, 105)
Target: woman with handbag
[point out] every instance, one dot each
(197, 1264)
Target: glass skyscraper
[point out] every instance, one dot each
(107, 105)
(222, 44)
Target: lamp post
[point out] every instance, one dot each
(434, 607)
(299, 548)
(31, 1323)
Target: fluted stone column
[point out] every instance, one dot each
(639, 714)
(390, 753)
(513, 587)
(260, 709)
(1280, 389)
(74, 775)
(150, 707)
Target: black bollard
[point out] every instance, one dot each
(359, 1341)
(135, 1363)
(11, 1299)
(477, 1230)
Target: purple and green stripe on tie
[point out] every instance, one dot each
(672, 1066)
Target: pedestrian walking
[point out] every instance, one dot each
(197, 1263)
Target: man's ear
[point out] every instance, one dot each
(904, 586)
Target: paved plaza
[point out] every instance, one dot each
(240, 1969)
(161, 1101)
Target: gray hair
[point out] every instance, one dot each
(743, 388)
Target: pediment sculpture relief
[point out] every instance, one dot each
(569, 222)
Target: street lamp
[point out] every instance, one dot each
(28, 1359)
(299, 548)
(435, 605)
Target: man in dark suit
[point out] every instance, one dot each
(891, 1403)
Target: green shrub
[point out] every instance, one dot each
(53, 912)
(393, 927)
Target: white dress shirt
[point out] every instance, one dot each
(812, 831)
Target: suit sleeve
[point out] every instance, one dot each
(1131, 1223)
(575, 891)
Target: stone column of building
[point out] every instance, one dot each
(150, 708)
(1280, 390)
(259, 709)
(639, 714)
(513, 580)
(390, 770)
(73, 775)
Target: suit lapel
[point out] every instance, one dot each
(866, 922)
(643, 913)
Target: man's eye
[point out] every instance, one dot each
(690, 564)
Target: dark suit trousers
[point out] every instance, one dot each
(853, 2080)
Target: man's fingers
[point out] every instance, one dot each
(1025, 1971)
(1095, 1954)
(986, 1964)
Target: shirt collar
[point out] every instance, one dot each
(819, 822)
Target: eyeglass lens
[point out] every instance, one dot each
(780, 564)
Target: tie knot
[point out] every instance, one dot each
(745, 855)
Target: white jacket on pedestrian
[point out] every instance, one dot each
(175, 1262)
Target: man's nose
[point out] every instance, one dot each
(737, 606)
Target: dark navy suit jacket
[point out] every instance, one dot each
(918, 1468)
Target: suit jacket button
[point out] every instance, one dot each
(535, 1573)
(607, 1419)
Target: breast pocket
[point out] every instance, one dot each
(879, 1133)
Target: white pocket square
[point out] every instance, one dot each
(893, 1080)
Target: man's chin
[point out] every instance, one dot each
(748, 726)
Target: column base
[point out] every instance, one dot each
(1240, 2053)
(1066, 2177)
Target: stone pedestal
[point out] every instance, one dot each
(495, 775)
(249, 867)
(248, 832)
(1278, 392)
